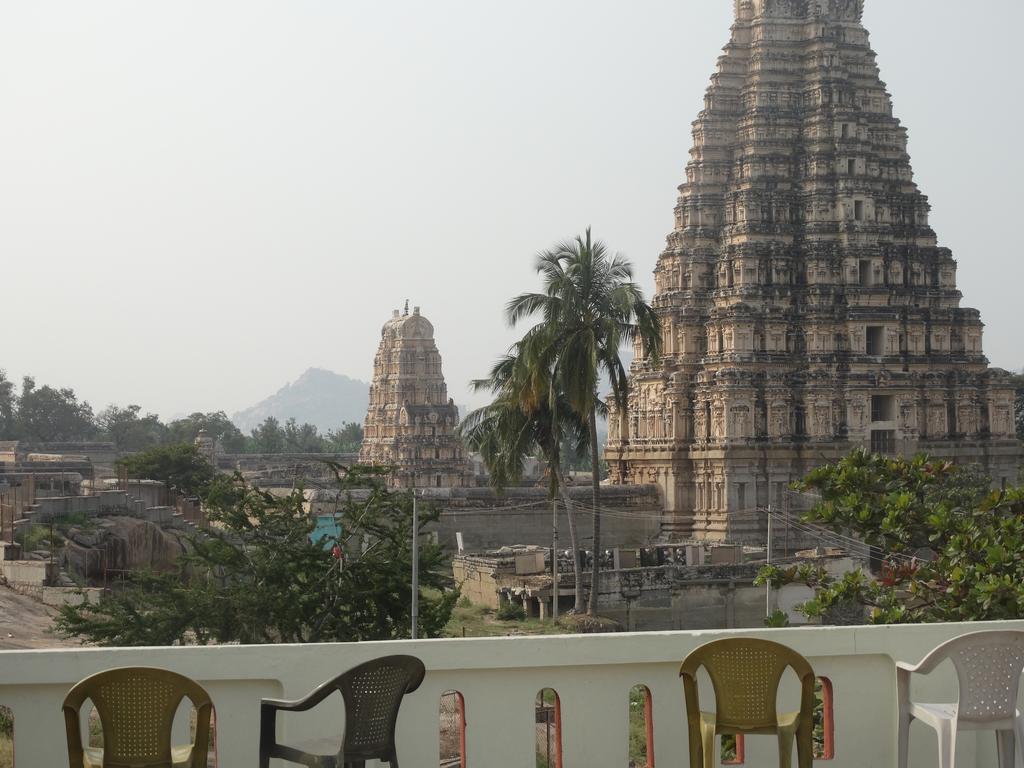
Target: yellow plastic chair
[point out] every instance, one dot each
(745, 674)
(136, 706)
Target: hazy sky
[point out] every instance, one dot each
(199, 199)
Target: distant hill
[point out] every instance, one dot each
(319, 397)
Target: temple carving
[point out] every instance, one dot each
(411, 422)
(806, 305)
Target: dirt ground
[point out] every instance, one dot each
(25, 623)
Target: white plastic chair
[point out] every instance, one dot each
(988, 666)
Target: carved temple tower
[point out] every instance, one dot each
(806, 305)
(410, 423)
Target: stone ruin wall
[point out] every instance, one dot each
(522, 516)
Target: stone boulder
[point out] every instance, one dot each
(119, 544)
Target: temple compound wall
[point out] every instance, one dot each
(806, 305)
(523, 516)
(411, 422)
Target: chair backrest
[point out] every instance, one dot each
(373, 693)
(745, 673)
(989, 667)
(136, 706)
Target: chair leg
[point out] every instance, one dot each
(904, 742)
(1020, 742)
(707, 734)
(1004, 748)
(805, 744)
(786, 749)
(947, 744)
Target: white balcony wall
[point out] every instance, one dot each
(500, 679)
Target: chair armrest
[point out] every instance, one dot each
(309, 701)
(270, 707)
(281, 704)
(903, 675)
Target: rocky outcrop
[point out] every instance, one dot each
(120, 544)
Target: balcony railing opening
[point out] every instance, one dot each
(548, 729)
(641, 727)
(824, 721)
(733, 748)
(453, 730)
(6, 737)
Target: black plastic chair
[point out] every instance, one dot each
(372, 693)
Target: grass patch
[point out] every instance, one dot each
(479, 621)
(36, 537)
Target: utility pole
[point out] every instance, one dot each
(768, 586)
(554, 560)
(415, 567)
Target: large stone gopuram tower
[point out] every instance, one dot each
(410, 424)
(806, 305)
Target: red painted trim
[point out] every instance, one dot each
(741, 751)
(829, 721)
(558, 731)
(460, 707)
(649, 725)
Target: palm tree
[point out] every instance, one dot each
(527, 416)
(589, 309)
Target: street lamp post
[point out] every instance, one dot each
(415, 567)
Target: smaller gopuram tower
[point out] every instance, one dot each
(410, 423)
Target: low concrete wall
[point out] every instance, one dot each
(159, 515)
(105, 502)
(55, 597)
(702, 597)
(32, 573)
(152, 493)
(59, 596)
(499, 679)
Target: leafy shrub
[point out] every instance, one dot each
(35, 537)
(512, 612)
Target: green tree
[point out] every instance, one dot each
(268, 437)
(48, 415)
(128, 430)
(348, 438)
(954, 548)
(256, 577)
(7, 407)
(590, 308)
(302, 439)
(216, 424)
(527, 416)
(177, 466)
